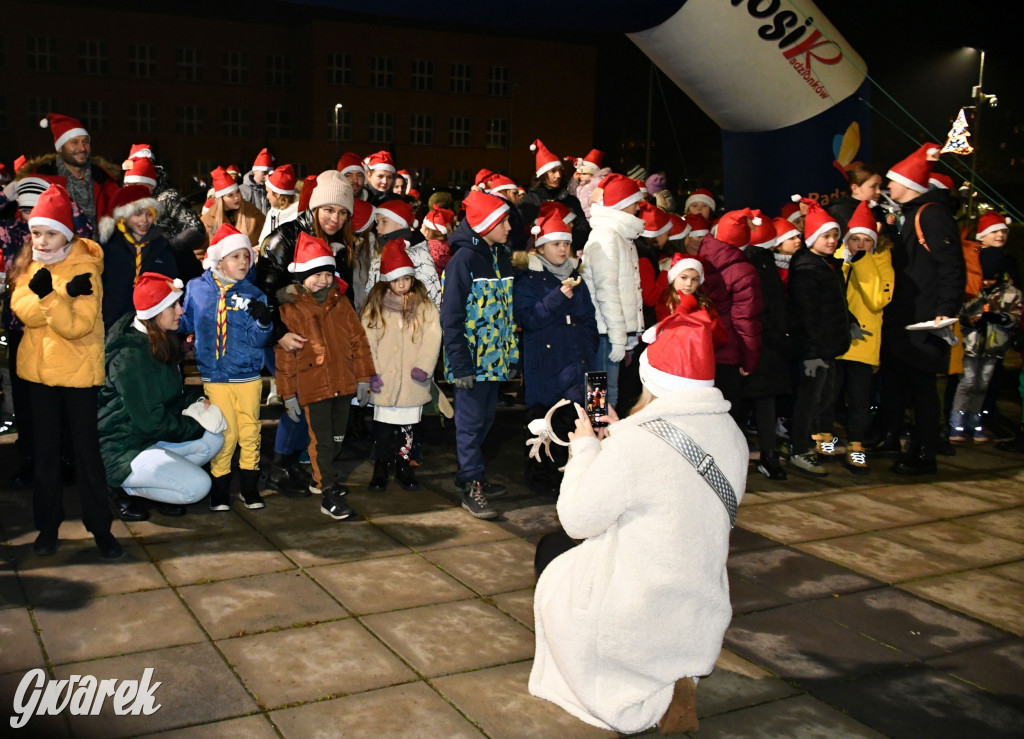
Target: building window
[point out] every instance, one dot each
(381, 125)
(188, 119)
(458, 178)
(142, 117)
(421, 129)
(278, 125)
(497, 82)
(458, 131)
(462, 78)
(497, 133)
(422, 78)
(382, 72)
(235, 122)
(235, 68)
(141, 61)
(339, 69)
(92, 58)
(94, 115)
(37, 108)
(279, 70)
(188, 65)
(344, 125)
(41, 54)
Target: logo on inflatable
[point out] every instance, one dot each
(785, 27)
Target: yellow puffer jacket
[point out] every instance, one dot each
(63, 341)
(869, 283)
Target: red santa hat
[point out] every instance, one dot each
(395, 261)
(223, 183)
(546, 161)
(791, 211)
(591, 163)
(862, 222)
(619, 192)
(413, 193)
(817, 222)
(362, 215)
(233, 170)
(264, 161)
(680, 229)
(700, 196)
(939, 181)
(988, 223)
(19, 163)
(734, 227)
(642, 185)
(398, 211)
(142, 173)
(308, 185)
(132, 199)
(380, 160)
(680, 354)
(53, 210)
(228, 239)
(64, 128)
(482, 177)
(762, 235)
(483, 211)
(406, 174)
(914, 171)
(440, 219)
(154, 292)
(312, 255)
(699, 227)
(34, 185)
(282, 180)
(784, 229)
(656, 221)
(557, 206)
(350, 162)
(138, 151)
(500, 183)
(685, 261)
(550, 227)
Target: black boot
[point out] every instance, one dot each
(281, 478)
(770, 466)
(915, 464)
(219, 500)
(945, 447)
(379, 481)
(249, 490)
(1016, 445)
(887, 445)
(404, 474)
(128, 507)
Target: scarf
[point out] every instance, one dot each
(782, 260)
(80, 190)
(563, 271)
(223, 285)
(394, 302)
(51, 257)
(130, 238)
(321, 295)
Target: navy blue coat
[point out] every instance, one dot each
(559, 336)
(119, 271)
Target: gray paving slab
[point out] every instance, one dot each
(795, 575)
(799, 717)
(997, 668)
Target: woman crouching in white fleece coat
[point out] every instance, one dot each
(644, 600)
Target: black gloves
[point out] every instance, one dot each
(79, 285)
(260, 312)
(41, 283)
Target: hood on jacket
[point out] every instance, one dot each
(721, 254)
(533, 263)
(465, 236)
(85, 251)
(123, 334)
(625, 225)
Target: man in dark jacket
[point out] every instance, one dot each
(930, 277)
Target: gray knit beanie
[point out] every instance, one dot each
(331, 189)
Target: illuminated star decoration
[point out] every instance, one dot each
(956, 141)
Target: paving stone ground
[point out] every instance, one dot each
(863, 607)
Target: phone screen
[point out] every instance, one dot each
(597, 397)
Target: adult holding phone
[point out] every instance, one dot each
(643, 602)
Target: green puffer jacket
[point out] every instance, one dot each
(140, 403)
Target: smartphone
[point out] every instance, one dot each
(597, 398)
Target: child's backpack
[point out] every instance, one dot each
(972, 256)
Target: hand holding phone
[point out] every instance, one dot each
(597, 398)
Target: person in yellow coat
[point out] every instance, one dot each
(58, 296)
(867, 267)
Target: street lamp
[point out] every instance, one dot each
(337, 107)
(980, 100)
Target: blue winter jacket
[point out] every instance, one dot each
(478, 330)
(559, 336)
(243, 357)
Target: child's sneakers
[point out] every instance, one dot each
(808, 464)
(825, 446)
(957, 431)
(856, 460)
(335, 504)
(475, 501)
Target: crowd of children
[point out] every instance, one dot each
(335, 289)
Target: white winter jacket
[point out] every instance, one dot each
(612, 272)
(276, 217)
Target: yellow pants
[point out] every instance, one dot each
(240, 404)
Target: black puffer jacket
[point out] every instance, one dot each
(773, 372)
(819, 321)
(529, 207)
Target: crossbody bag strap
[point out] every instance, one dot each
(703, 462)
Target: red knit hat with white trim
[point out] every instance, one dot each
(618, 192)
(132, 199)
(679, 229)
(591, 163)
(915, 170)
(142, 173)
(154, 292)
(734, 227)
(440, 219)
(282, 180)
(362, 215)
(862, 222)
(785, 229)
(34, 185)
(482, 177)
(398, 211)
(484, 212)
(681, 353)
(699, 227)
(550, 227)
(546, 161)
(312, 255)
(656, 221)
(64, 128)
(350, 162)
(264, 161)
(817, 222)
(685, 261)
(53, 210)
(939, 181)
(763, 234)
(380, 160)
(395, 261)
(228, 239)
(499, 183)
(556, 206)
(700, 196)
(992, 221)
(223, 183)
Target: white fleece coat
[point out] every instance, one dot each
(644, 600)
(612, 272)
